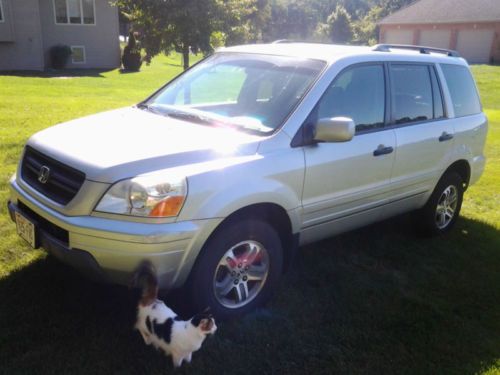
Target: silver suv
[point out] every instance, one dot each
(222, 173)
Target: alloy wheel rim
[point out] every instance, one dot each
(241, 274)
(446, 207)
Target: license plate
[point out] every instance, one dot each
(26, 229)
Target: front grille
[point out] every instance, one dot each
(45, 225)
(63, 181)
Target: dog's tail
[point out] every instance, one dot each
(145, 278)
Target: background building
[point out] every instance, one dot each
(472, 27)
(29, 28)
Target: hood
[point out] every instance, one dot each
(124, 143)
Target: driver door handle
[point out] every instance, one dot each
(382, 150)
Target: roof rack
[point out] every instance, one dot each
(421, 49)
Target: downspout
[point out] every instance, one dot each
(40, 32)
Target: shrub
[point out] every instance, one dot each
(131, 58)
(59, 56)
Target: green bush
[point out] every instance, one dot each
(59, 56)
(131, 58)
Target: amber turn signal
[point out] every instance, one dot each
(168, 207)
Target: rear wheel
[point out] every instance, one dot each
(237, 269)
(443, 207)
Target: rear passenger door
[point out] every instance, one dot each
(424, 136)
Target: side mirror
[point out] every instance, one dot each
(336, 129)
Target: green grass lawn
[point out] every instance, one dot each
(377, 300)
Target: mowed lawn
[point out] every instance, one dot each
(378, 300)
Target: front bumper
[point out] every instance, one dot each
(109, 249)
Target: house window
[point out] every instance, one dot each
(78, 54)
(74, 12)
(1, 12)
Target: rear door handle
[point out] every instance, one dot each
(382, 150)
(445, 137)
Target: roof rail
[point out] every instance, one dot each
(279, 41)
(421, 49)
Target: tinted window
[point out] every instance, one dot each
(438, 99)
(412, 97)
(357, 93)
(462, 90)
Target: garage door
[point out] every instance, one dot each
(435, 38)
(399, 36)
(475, 45)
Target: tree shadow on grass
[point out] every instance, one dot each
(61, 74)
(125, 71)
(376, 300)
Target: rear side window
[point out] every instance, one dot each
(412, 95)
(462, 90)
(357, 93)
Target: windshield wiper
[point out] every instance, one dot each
(192, 117)
(198, 117)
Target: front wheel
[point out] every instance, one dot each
(443, 207)
(237, 269)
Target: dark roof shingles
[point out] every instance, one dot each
(445, 11)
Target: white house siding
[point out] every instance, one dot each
(102, 48)
(20, 36)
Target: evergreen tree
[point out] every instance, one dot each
(339, 25)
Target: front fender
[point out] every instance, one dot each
(273, 178)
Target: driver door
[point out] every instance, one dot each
(345, 183)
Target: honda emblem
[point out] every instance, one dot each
(43, 175)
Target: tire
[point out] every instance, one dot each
(237, 269)
(441, 211)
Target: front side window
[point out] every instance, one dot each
(412, 96)
(462, 90)
(357, 93)
(76, 12)
(249, 92)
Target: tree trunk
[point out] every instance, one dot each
(185, 56)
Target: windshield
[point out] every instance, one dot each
(251, 92)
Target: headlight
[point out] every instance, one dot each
(148, 196)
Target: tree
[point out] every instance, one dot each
(131, 58)
(180, 25)
(244, 21)
(339, 22)
(366, 28)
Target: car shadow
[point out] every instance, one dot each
(62, 74)
(375, 300)
(391, 301)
